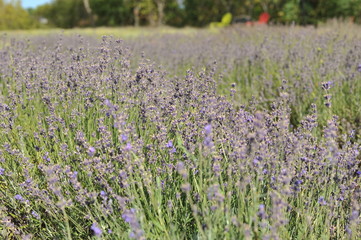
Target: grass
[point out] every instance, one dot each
(120, 32)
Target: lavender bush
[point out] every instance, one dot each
(239, 135)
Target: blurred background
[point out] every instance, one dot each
(27, 14)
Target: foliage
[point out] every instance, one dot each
(12, 16)
(112, 13)
(64, 13)
(291, 11)
(226, 21)
(199, 13)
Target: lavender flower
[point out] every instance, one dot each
(169, 144)
(124, 137)
(130, 217)
(322, 201)
(46, 157)
(91, 151)
(19, 197)
(108, 103)
(327, 85)
(128, 147)
(96, 230)
(208, 129)
(35, 214)
(208, 142)
(261, 211)
(182, 170)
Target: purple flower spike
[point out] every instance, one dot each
(261, 211)
(107, 103)
(124, 137)
(170, 144)
(96, 230)
(35, 214)
(327, 85)
(322, 201)
(128, 147)
(19, 197)
(2, 171)
(208, 129)
(91, 151)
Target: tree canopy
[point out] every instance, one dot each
(81, 13)
(13, 16)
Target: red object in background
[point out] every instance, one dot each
(263, 18)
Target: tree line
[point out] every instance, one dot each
(178, 13)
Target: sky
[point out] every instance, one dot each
(33, 3)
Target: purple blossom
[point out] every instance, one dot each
(261, 211)
(298, 182)
(96, 230)
(19, 197)
(124, 137)
(2, 171)
(35, 214)
(322, 201)
(169, 144)
(128, 147)
(46, 157)
(107, 103)
(208, 142)
(214, 193)
(91, 151)
(208, 129)
(123, 174)
(130, 217)
(327, 85)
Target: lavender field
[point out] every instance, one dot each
(245, 133)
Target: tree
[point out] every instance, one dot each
(89, 11)
(65, 13)
(112, 12)
(174, 13)
(160, 7)
(13, 16)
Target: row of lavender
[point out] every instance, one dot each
(97, 141)
(259, 59)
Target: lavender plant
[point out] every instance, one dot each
(224, 136)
